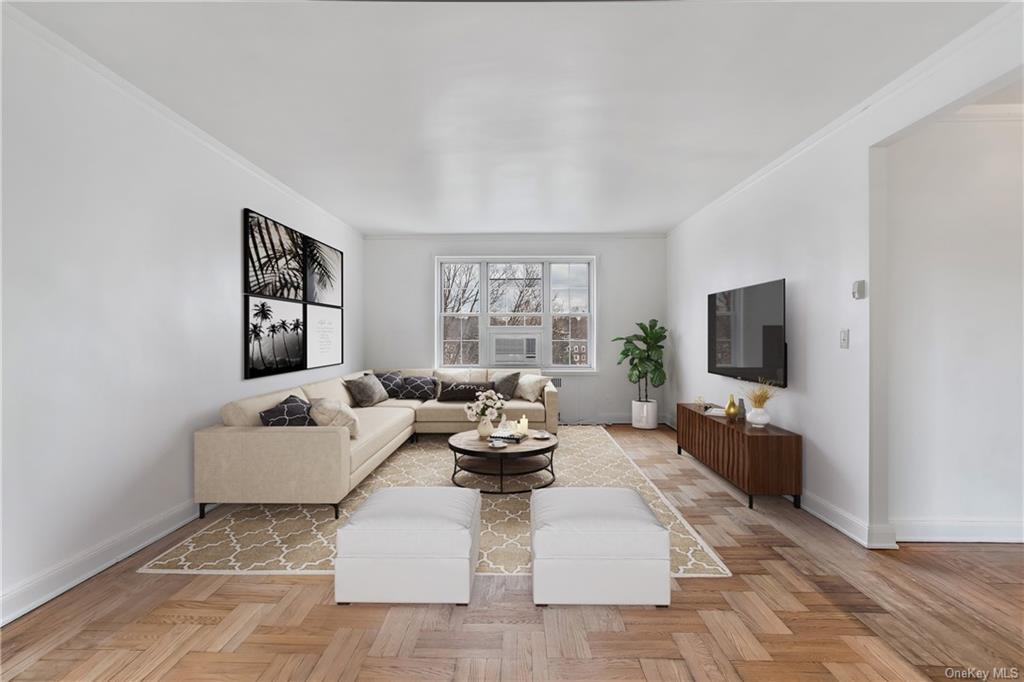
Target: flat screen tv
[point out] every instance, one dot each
(747, 333)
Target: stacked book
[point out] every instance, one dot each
(507, 435)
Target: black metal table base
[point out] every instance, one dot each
(548, 466)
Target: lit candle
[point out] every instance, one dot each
(524, 425)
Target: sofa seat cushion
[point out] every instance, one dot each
(437, 411)
(413, 522)
(377, 427)
(400, 402)
(516, 408)
(246, 412)
(595, 523)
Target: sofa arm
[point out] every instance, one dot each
(272, 464)
(550, 397)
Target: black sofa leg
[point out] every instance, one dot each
(202, 510)
(750, 501)
(337, 510)
(679, 449)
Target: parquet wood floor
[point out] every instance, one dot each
(804, 603)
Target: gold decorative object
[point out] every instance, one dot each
(760, 395)
(731, 409)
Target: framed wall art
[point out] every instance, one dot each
(292, 299)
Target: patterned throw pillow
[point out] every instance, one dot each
(392, 383)
(366, 390)
(292, 411)
(464, 391)
(419, 388)
(506, 385)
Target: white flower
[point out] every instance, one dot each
(492, 413)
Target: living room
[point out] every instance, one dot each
(489, 197)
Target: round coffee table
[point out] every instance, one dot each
(475, 456)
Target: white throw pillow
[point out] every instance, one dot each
(531, 387)
(328, 412)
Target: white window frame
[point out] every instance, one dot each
(545, 354)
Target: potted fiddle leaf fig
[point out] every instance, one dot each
(645, 354)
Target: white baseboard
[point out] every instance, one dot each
(36, 590)
(959, 530)
(882, 536)
(612, 418)
(840, 519)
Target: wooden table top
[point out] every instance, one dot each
(468, 442)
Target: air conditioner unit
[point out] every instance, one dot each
(514, 350)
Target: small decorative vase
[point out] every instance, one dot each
(741, 413)
(758, 417)
(485, 428)
(731, 409)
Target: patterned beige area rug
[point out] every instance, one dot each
(288, 539)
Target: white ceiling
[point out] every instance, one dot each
(509, 117)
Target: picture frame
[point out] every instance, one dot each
(285, 271)
(274, 339)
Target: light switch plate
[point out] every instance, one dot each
(844, 339)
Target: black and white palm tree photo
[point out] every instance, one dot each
(275, 263)
(323, 273)
(275, 337)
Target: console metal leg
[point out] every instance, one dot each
(750, 501)
(679, 449)
(796, 501)
(202, 510)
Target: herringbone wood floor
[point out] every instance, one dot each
(804, 603)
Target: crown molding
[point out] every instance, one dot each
(975, 113)
(61, 45)
(505, 236)
(1008, 15)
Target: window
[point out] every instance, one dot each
(483, 301)
(460, 313)
(570, 314)
(515, 288)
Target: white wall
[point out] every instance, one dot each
(806, 218)
(122, 310)
(954, 330)
(630, 288)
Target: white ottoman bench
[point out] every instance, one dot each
(410, 545)
(598, 546)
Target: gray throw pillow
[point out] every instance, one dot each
(366, 390)
(506, 385)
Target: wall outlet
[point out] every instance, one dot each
(844, 339)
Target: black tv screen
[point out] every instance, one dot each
(747, 333)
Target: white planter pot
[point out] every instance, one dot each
(645, 414)
(758, 418)
(484, 429)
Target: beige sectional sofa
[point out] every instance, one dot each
(243, 461)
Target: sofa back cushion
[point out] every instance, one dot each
(331, 389)
(495, 374)
(246, 412)
(457, 376)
